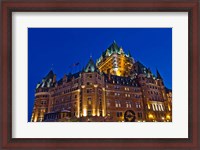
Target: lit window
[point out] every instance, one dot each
(162, 107)
(159, 107)
(153, 107)
(138, 105)
(117, 104)
(156, 107)
(89, 101)
(127, 89)
(128, 104)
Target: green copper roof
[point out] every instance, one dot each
(47, 80)
(141, 68)
(90, 67)
(113, 48)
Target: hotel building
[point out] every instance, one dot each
(112, 89)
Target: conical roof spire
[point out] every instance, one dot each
(49, 75)
(90, 67)
(158, 74)
(47, 81)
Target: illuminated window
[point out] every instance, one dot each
(128, 104)
(159, 107)
(162, 107)
(156, 107)
(138, 105)
(117, 104)
(153, 107)
(126, 89)
(89, 101)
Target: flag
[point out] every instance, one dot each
(74, 65)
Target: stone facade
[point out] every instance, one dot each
(115, 88)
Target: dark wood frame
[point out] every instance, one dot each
(9, 6)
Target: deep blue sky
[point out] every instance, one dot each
(64, 46)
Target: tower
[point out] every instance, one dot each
(114, 61)
(92, 91)
(42, 97)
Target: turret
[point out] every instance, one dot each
(91, 66)
(42, 97)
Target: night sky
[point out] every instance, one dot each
(59, 48)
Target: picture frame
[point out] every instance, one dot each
(10, 6)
